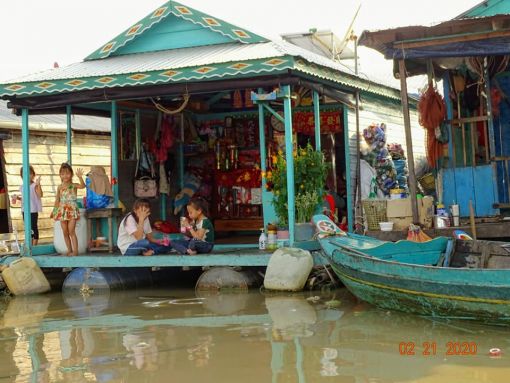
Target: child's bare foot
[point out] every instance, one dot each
(148, 252)
(191, 252)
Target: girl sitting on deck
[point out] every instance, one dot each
(135, 232)
(65, 209)
(201, 230)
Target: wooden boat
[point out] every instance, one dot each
(405, 275)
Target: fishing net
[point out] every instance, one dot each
(431, 112)
(416, 234)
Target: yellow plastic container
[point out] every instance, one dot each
(24, 276)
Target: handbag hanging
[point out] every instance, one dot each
(145, 186)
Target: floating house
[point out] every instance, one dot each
(470, 55)
(211, 103)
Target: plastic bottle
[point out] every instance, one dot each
(15, 244)
(272, 240)
(262, 240)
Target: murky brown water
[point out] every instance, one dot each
(160, 336)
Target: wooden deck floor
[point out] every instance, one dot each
(240, 255)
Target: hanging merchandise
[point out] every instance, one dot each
(377, 155)
(238, 100)
(145, 186)
(164, 187)
(432, 112)
(248, 103)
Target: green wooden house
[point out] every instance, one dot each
(180, 59)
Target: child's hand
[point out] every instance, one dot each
(38, 181)
(79, 172)
(143, 213)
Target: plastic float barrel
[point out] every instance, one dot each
(81, 234)
(288, 269)
(91, 279)
(24, 276)
(226, 278)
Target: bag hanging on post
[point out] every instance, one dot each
(145, 187)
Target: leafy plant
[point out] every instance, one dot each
(310, 171)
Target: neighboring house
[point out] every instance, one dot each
(90, 143)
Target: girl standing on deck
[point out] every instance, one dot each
(36, 194)
(201, 230)
(135, 232)
(66, 210)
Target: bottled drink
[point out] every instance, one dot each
(262, 240)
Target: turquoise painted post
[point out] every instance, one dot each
(289, 158)
(115, 153)
(162, 199)
(180, 156)
(27, 248)
(490, 125)
(348, 180)
(138, 132)
(68, 135)
(317, 118)
(268, 212)
(263, 154)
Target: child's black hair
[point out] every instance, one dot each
(141, 202)
(200, 203)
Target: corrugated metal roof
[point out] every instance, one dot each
(183, 58)
(153, 61)
(57, 122)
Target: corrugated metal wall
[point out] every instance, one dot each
(47, 152)
(377, 111)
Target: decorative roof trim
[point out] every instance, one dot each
(203, 72)
(183, 12)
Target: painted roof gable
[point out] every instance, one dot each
(172, 26)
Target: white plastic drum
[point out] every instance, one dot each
(81, 233)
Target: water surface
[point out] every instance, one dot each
(179, 336)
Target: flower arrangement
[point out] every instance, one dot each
(310, 170)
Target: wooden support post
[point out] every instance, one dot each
(409, 141)
(138, 132)
(289, 158)
(69, 135)
(115, 153)
(263, 154)
(27, 248)
(449, 116)
(348, 180)
(490, 124)
(317, 118)
(180, 156)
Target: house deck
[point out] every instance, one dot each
(222, 255)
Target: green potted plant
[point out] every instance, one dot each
(310, 170)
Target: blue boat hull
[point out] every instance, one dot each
(418, 287)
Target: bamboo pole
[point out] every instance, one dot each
(409, 141)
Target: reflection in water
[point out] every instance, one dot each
(156, 336)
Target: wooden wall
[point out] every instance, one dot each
(47, 152)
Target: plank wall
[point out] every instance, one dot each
(47, 152)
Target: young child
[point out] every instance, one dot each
(36, 194)
(201, 230)
(135, 232)
(66, 210)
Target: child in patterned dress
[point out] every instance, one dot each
(66, 210)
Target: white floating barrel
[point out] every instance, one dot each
(81, 234)
(288, 269)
